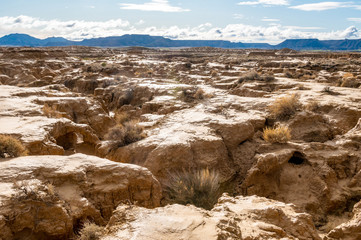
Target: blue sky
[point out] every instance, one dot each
(236, 20)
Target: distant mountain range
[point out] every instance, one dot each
(157, 41)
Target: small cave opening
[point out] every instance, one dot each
(297, 158)
(67, 141)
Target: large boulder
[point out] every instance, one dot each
(48, 196)
(232, 218)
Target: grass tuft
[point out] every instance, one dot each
(90, 231)
(200, 188)
(279, 134)
(284, 107)
(125, 134)
(11, 147)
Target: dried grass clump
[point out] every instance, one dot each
(91, 231)
(25, 191)
(125, 134)
(312, 106)
(121, 117)
(192, 94)
(200, 188)
(284, 107)
(254, 76)
(280, 134)
(350, 83)
(11, 147)
(51, 111)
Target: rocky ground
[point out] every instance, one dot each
(107, 131)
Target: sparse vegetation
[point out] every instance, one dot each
(125, 134)
(121, 117)
(51, 112)
(27, 191)
(191, 94)
(253, 76)
(350, 82)
(328, 90)
(90, 231)
(199, 188)
(312, 106)
(284, 107)
(280, 134)
(11, 147)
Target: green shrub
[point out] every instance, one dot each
(200, 188)
(11, 147)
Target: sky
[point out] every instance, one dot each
(270, 21)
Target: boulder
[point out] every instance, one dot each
(232, 218)
(48, 196)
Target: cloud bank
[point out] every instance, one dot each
(154, 5)
(322, 6)
(78, 30)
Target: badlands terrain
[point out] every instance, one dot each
(197, 143)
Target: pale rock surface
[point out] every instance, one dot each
(22, 115)
(350, 230)
(81, 187)
(232, 218)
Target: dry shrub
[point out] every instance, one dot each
(350, 83)
(192, 94)
(200, 188)
(26, 191)
(312, 106)
(125, 134)
(280, 134)
(121, 117)
(91, 231)
(347, 75)
(11, 147)
(253, 76)
(248, 76)
(284, 107)
(51, 111)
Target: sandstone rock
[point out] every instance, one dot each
(349, 230)
(232, 218)
(191, 139)
(81, 187)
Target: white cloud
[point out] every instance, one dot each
(238, 16)
(322, 6)
(265, 19)
(77, 30)
(154, 5)
(140, 22)
(354, 19)
(265, 2)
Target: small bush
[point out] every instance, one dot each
(34, 192)
(90, 231)
(328, 90)
(125, 134)
(192, 94)
(284, 107)
(350, 83)
(249, 76)
(279, 134)
(312, 106)
(51, 111)
(11, 147)
(200, 188)
(121, 117)
(253, 76)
